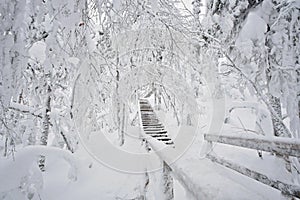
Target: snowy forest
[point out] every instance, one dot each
(149, 99)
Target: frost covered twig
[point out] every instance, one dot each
(260, 95)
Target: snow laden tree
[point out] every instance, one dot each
(43, 43)
(256, 45)
(135, 36)
(283, 60)
(46, 41)
(140, 51)
(13, 58)
(253, 51)
(282, 41)
(51, 72)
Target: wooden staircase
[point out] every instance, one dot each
(151, 124)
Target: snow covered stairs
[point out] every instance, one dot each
(151, 124)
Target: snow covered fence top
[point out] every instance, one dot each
(282, 146)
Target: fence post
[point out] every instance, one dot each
(168, 182)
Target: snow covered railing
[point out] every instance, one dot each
(152, 130)
(286, 189)
(281, 146)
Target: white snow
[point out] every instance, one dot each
(103, 56)
(74, 60)
(252, 33)
(38, 51)
(79, 176)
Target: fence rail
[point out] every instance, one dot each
(282, 146)
(286, 189)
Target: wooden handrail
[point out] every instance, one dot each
(282, 146)
(286, 189)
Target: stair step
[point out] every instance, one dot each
(153, 126)
(156, 132)
(149, 117)
(153, 129)
(153, 134)
(146, 120)
(158, 136)
(164, 139)
(169, 143)
(150, 121)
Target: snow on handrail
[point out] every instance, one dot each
(286, 189)
(282, 146)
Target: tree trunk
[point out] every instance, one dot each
(279, 129)
(46, 125)
(159, 97)
(119, 111)
(273, 61)
(299, 109)
(123, 122)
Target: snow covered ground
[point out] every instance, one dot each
(67, 176)
(100, 169)
(81, 176)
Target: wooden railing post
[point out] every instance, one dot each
(168, 182)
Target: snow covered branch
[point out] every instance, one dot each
(25, 109)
